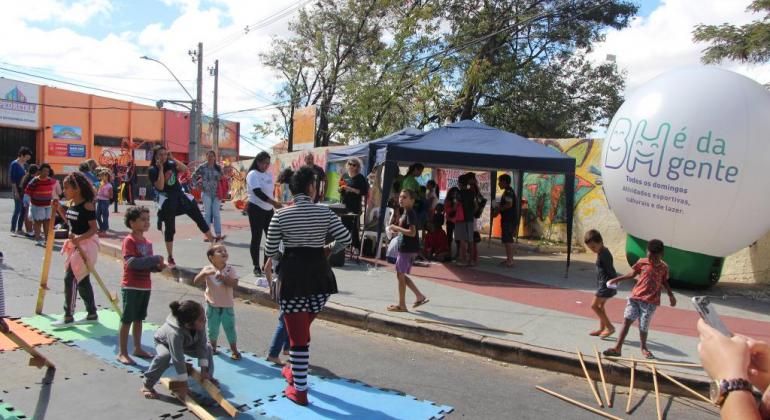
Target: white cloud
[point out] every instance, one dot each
(81, 12)
(663, 41)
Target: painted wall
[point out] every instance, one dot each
(65, 153)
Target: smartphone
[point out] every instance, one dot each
(709, 314)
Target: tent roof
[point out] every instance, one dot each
(470, 144)
(364, 149)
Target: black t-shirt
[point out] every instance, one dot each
(605, 269)
(409, 243)
(467, 200)
(508, 197)
(172, 176)
(352, 201)
(78, 217)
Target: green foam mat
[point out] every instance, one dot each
(108, 324)
(7, 412)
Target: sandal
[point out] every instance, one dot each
(396, 308)
(420, 302)
(647, 354)
(607, 333)
(611, 353)
(236, 356)
(150, 394)
(595, 333)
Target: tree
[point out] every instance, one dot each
(749, 43)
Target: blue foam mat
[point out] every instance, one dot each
(106, 349)
(341, 398)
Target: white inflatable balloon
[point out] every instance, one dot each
(687, 160)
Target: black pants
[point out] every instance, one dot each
(83, 288)
(450, 232)
(175, 205)
(259, 221)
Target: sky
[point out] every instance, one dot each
(98, 43)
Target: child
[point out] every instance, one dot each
(605, 270)
(138, 262)
(407, 251)
(645, 297)
(41, 191)
(453, 212)
(435, 244)
(181, 335)
(27, 200)
(103, 197)
(220, 279)
(81, 217)
(280, 338)
(507, 210)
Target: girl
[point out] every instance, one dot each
(41, 191)
(103, 197)
(259, 183)
(208, 176)
(181, 335)
(407, 251)
(81, 217)
(220, 279)
(31, 173)
(452, 209)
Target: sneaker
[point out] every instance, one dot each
(40, 243)
(171, 264)
(63, 323)
(258, 272)
(89, 319)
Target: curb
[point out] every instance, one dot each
(469, 342)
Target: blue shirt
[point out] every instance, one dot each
(16, 172)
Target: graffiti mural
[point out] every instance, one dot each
(545, 193)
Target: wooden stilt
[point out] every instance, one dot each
(685, 387)
(46, 259)
(657, 393)
(601, 375)
(213, 391)
(631, 388)
(578, 403)
(588, 378)
(110, 296)
(654, 362)
(37, 360)
(190, 403)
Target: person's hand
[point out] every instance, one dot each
(221, 277)
(613, 282)
(723, 357)
(277, 205)
(759, 366)
(327, 251)
(209, 271)
(672, 299)
(76, 239)
(180, 389)
(3, 326)
(161, 264)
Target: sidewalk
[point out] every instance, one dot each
(552, 313)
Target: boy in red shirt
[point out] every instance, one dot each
(138, 262)
(645, 296)
(435, 245)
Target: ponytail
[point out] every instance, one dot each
(185, 312)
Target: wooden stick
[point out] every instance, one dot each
(654, 362)
(46, 259)
(578, 403)
(588, 378)
(685, 387)
(213, 391)
(37, 359)
(631, 388)
(111, 297)
(190, 403)
(601, 374)
(472, 327)
(657, 394)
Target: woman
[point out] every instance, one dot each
(306, 279)
(208, 176)
(164, 175)
(259, 183)
(353, 187)
(130, 183)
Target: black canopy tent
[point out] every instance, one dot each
(367, 151)
(469, 144)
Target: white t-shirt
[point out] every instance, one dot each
(263, 181)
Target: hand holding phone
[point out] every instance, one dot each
(708, 313)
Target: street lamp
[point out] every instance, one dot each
(194, 124)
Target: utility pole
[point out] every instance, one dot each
(215, 72)
(197, 112)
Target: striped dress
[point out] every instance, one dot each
(305, 225)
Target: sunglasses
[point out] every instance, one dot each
(352, 164)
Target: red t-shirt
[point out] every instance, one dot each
(436, 242)
(40, 191)
(650, 281)
(135, 279)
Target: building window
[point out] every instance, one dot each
(107, 141)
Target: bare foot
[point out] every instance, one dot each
(126, 359)
(140, 353)
(149, 393)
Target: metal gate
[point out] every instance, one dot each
(11, 139)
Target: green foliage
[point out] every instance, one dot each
(749, 43)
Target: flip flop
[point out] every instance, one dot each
(394, 308)
(595, 333)
(235, 356)
(648, 355)
(611, 352)
(420, 303)
(606, 334)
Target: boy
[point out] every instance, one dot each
(605, 270)
(435, 245)
(138, 262)
(645, 297)
(507, 209)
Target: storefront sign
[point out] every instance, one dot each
(76, 150)
(66, 150)
(57, 149)
(67, 132)
(19, 104)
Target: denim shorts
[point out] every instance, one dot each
(39, 213)
(643, 311)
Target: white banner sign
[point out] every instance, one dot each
(19, 104)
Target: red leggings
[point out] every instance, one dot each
(298, 327)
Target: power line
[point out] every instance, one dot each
(106, 108)
(107, 76)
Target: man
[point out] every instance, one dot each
(16, 172)
(320, 176)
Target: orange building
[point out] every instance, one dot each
(64, 128)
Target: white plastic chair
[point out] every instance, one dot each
(372, 234)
